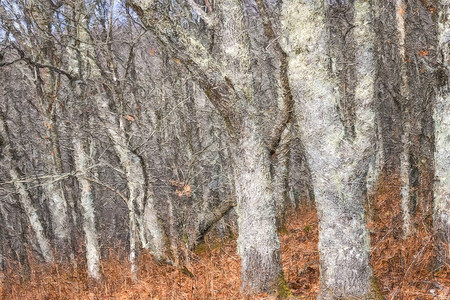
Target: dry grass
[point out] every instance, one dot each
(403, 267)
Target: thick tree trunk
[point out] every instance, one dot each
(228, 85)
(87, 205)
(156, 237)
(442, 147)
(258, 243)
(337, 120)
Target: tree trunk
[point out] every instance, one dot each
(54, 190)
(405, 166)
(421, 43)
(59, 217)
(156, 237)
(258, 243)
(228, 85)
(63, 201)
(405, 170)
(280, 165)
(442, 135)
(25, 200)
(388, 84)
(207, 220)
(87, 205)
(331, 68)
(146, 222)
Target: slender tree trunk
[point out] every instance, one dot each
(146, 223)
(58, 211)
(25, 199)
(405, 170)
(405, 166)
(332, 69)
(280, 165)
(87, 205)
(133, 174)
(32, 214)
(54, 191)
(421, 45)
(442, 139)
(17, 240)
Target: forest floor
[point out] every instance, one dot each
(403, 267)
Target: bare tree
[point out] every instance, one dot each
(332, 72)
(229, 88)
(82, 164)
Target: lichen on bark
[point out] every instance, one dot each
(337, 130)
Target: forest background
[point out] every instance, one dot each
(143, 142)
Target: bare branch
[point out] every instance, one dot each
(284, 115)
(191, 53)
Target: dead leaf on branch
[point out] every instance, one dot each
(182, 188)
(130, 118)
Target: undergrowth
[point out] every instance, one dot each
(403, 268)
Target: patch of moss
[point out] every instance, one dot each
(307, 228)
(375, 289)
(201, 248)
(283, 291)
(282, 230)
(186, 272)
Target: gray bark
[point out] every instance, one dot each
(421, 42)
(54, 190)
(332, 71)
(58, 210)
(145, 222)
(87, 204)
(207, 220)
(258, 243)
(25, 199)
(280, 163)
(442, 135)
(228, 87)
(388, 85)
